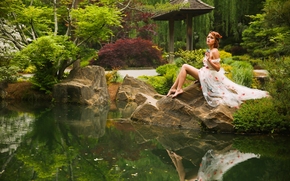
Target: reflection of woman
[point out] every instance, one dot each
(216, 87)
(177, 161)
(212, 166)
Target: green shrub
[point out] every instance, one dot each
(258, 116)
(269, 115)
(242, 73)
(163, 82)
(160, 83)
(113, 76)
(50, 56)
(167, 69)
(193, 57)
(129, 53)
(255, 62)
(279, 84)
(224, 54)
(8, 73)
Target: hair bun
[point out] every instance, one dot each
(216, 34)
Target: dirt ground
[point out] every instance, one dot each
(113, 88)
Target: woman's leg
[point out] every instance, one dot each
(177, 86)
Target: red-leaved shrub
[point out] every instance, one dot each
(129, 53)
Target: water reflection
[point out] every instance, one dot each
(213, 165)
(72, 142)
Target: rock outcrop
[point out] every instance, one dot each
(86, 85)
(189, 110)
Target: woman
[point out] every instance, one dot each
(216, 87)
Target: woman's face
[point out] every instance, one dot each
(210, 40)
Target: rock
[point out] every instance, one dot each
(190, 144)
(84, 85)
(189, 110)
(88, 121)
(131, 87)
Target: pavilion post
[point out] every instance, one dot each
(189, 44)
(171, 40)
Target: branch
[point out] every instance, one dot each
(6, 163)
(79, 44)
(126, 6)
(33, 32)
(55, 18)
(68, 31)
(20, 30)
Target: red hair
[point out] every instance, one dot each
(217, 38)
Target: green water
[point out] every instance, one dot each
(70, 142)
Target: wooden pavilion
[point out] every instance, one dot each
(187, 10)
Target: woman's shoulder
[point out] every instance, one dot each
(215, 53)
(215, 50)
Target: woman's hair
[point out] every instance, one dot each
(217, 37)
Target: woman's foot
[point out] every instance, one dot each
(180, 91)
(171, 91)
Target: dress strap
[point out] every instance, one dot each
(216, 60)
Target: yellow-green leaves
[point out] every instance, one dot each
(96, 23)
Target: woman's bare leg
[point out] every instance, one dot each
(177, 86)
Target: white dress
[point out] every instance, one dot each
(218, 89)
(214, 166)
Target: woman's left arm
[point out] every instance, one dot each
(214, 54)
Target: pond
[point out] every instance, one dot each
(72, 142)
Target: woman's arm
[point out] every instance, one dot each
(214, 54)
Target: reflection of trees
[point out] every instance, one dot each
(13, 127)
(53, 151)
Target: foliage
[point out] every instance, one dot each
(242, 73)
(224, 54)
(258, 116)
(193, 57)
(269, 115)
(167, 69)
(255, 62)
(239, 69)
(279, 84)
(268, 33)
(90, 29)
(261, 41)
(129, 53)
(228, 70)
(136, 23)
(83, 24)
(48, 54)
(113, 76)
(163, 82)
(8, 74)
(160, 83)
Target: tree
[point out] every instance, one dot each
(268, 33)
(49, 55)
(83, 24)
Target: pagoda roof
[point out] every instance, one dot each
(191, 7)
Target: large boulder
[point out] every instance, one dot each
(84, 85)
(132, 87)
(188, 110)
